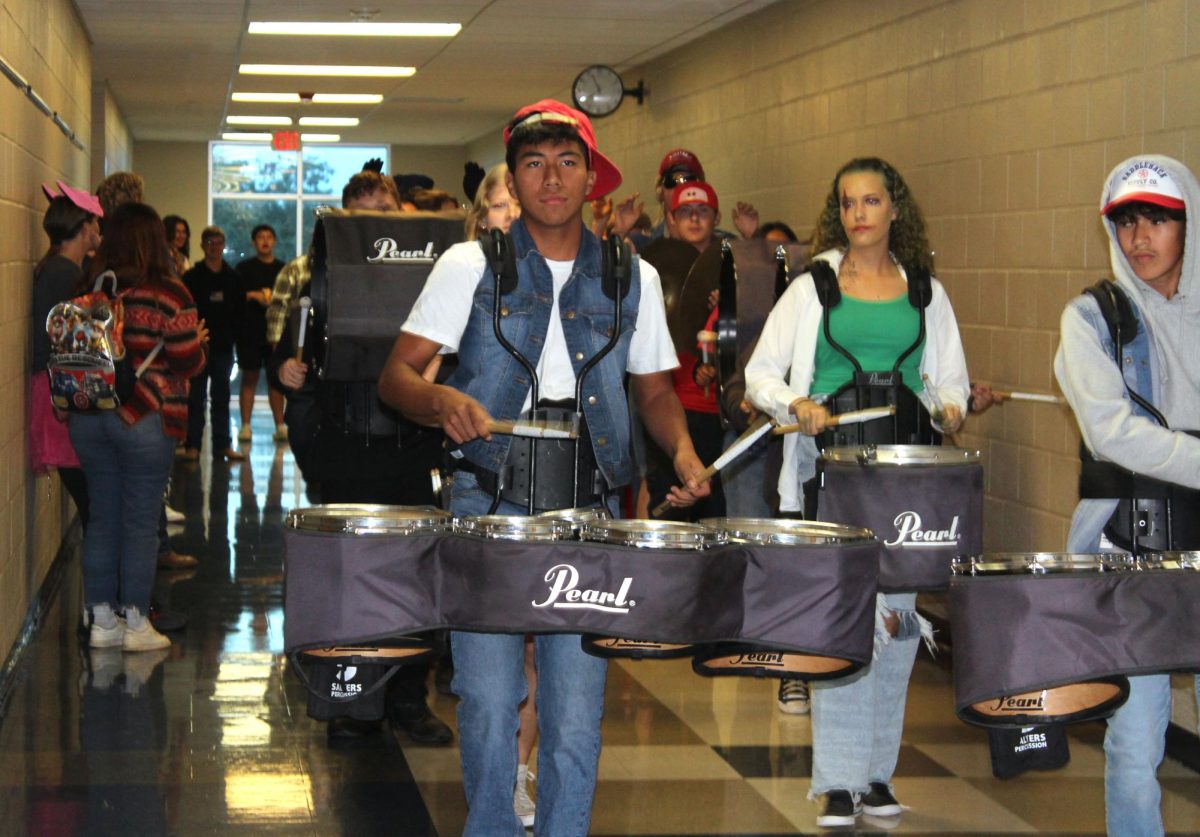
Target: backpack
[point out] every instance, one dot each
(87, 368)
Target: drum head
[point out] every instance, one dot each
(901, 455)
(651, 534)
(503, 527)
(725, 659)
(577, 517)
(1042, 563)
(1069, 704)
(781, 532)
(364, 519)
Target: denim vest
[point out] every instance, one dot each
(1136, 363)
(494, 378)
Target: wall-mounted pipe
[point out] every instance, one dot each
(25, 87)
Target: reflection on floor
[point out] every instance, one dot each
(211, 736)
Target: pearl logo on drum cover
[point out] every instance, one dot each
(1021, 703)
(757, 659)
(910, 533)
(387, 252)
(565, 593)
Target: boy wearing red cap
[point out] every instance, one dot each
(558, 316)
(1132, 382)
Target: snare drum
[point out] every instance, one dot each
(924, 502)
(802, 540)
(331, 554)
(1033, 636)
(520, 528)
(649, 535)
(578, 518)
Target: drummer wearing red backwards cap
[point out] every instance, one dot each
(1134, 415)
(554, 166)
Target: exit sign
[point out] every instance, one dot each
(285, 141)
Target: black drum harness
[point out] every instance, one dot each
(1151, 515)
(557, 460)
(911, 423)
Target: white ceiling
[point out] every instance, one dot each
(172, 64)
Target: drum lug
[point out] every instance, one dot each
(867, 454)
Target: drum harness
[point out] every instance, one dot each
(1151, 515)
(910, 424)
(518, 481)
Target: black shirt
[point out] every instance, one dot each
(256, 275)
(219, 301)
(58, 280)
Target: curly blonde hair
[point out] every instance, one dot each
(906, 237)
(479, 207)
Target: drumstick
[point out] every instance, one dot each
(1026, 396)
(853, 417)
(535, 429)
(305, 305)
(754, 432)
(705, 338)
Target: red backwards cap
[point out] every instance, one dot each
(608, 176)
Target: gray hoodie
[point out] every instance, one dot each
(1094, 386)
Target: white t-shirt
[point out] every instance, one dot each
(443, 309)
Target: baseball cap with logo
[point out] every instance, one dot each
(608, 176)
(1144, 181)
(696, 192)
(85, 201)
(681, 160)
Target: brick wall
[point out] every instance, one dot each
(45, 42)
(1004, 116)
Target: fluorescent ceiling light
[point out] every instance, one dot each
(244, 136)
(363, 28)
(318, 98)
(320, 138)
(259, 120)
(330, 121)
(325, 70)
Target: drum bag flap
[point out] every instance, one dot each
(1020, 633)
(925, 515)
(342, 589)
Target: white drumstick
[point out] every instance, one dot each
(705, 339)
(1027, 396)
(305, 305)
(853, 417)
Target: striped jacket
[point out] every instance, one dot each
(166, 312)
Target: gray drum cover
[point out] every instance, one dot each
(375, 267)
(925, 516)
(1021, 632)
(342, 589)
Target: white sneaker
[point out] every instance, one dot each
(281, 433)
(244, 434)
(107, 629)
(174, 516)
(140, 634)
(524, 807)
(793, 697)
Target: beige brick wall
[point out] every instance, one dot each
(44, 41)
(1004, 116)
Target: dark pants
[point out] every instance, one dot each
(220, 364)
(709, 440)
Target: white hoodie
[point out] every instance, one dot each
(1094, 386)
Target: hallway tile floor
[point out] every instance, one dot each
(211, 736)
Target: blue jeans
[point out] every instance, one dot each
(220, 364)
(744, 479)
(126, 469)
(857, 721)
(1133, 750)
(489, 678)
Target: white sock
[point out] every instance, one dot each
(134, 620)
(102, 615)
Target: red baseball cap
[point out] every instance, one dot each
(85, 201)
(681, 158)
(608, 176)
(695, 192)
(1143, 180)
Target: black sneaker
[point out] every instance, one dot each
(879, 802)
(841, 808)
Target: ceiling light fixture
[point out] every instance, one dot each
(317, 98)
(357, 71)
(259, 120)
(320, 138)
(245, 136)
(330, 121)
(356, 29)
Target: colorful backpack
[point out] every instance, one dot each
(87, 352)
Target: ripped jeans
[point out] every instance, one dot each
(857, 720)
